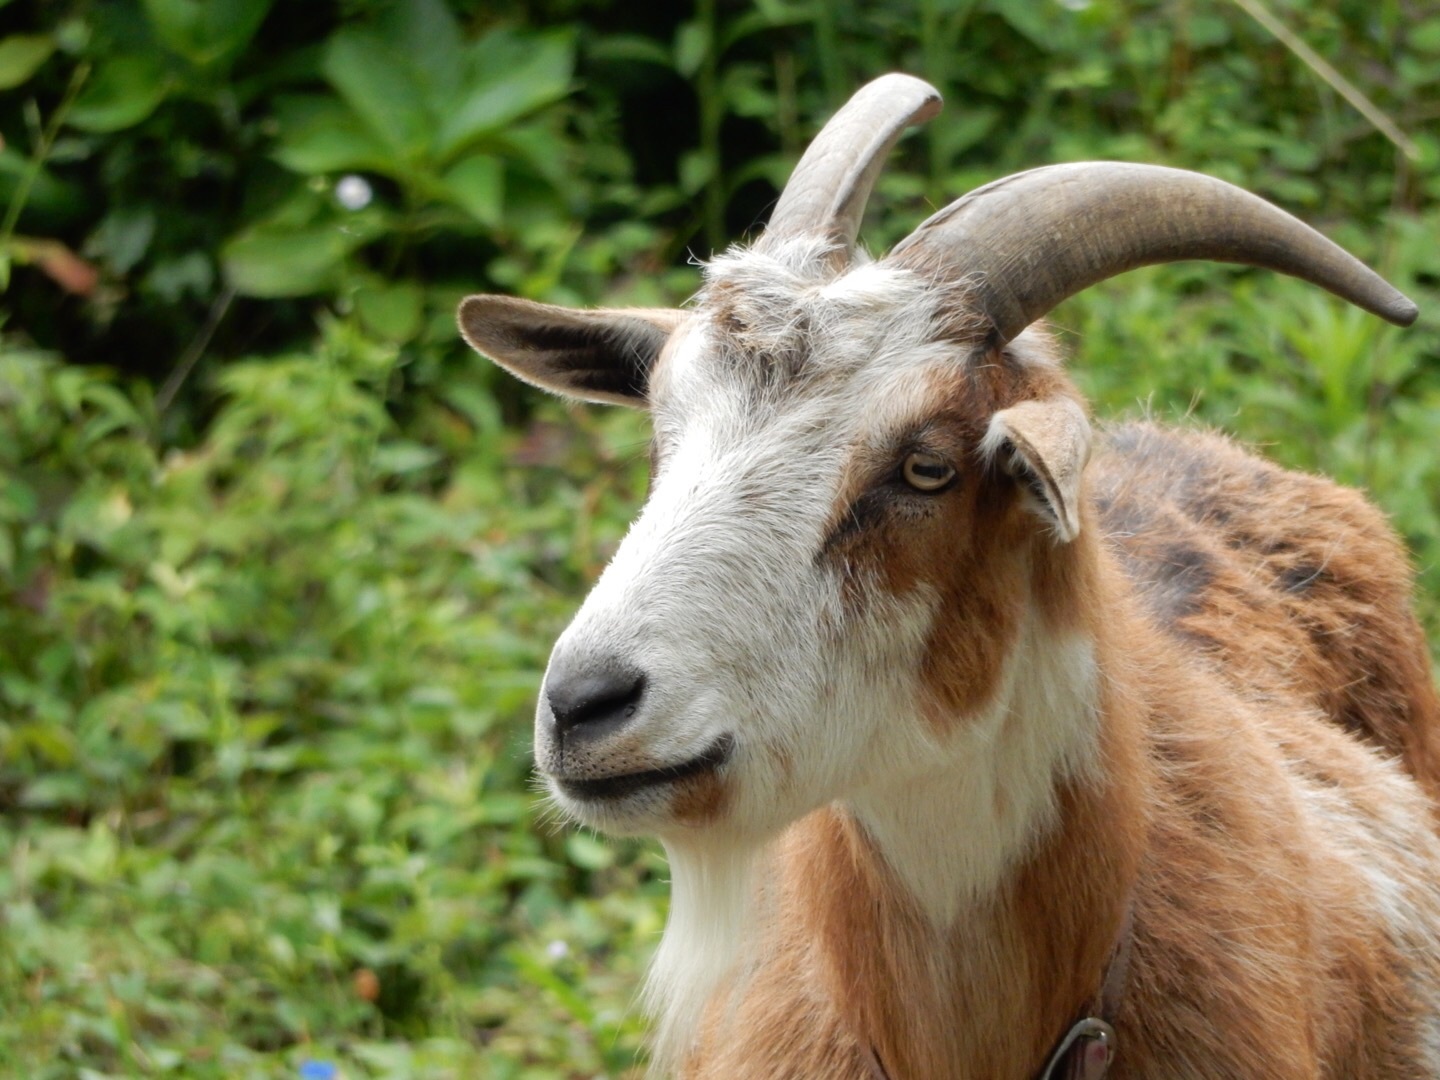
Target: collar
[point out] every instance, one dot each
(1084, 1053)
(1087, 1050)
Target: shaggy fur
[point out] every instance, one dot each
(965, 732)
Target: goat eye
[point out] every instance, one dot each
(927, 472)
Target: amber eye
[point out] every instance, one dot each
(927, 472)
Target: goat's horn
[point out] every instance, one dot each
(828, 190)
(1031, 240)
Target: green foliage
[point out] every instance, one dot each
(259, 718)
(280, 562)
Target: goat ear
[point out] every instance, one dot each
(596, 355)
(1044, 445)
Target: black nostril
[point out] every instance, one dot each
(602, 702)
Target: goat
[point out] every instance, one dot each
(953, 735)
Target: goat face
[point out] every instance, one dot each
(806, 607)
(859, 471)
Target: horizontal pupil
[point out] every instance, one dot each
(932, 471)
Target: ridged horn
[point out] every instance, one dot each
(1033, 239)
(827, 192)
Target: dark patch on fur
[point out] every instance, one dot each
(1170, 579)
(1206, 506)
(865, 513)
(1124, 439)
(1301, 578)
(1353, 719)
(1122, 517)
(1185, 471)
(1185, 573)
(599, 358)
(1279, 545)
(622, 382)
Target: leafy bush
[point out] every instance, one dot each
(280, 562)
(259, 710)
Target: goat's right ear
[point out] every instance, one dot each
(595, 355)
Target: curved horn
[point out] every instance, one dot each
(1031, 240)
(827, 191)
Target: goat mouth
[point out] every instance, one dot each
(618, 787)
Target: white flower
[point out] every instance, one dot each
(354, 192)
(557, 950)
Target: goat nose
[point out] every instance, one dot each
(597, 703)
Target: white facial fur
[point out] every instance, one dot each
(746, 636)
(718, 594)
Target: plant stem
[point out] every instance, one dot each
(32, 169)
(195, 350)
(1341, 85)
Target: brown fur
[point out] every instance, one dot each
(1258, 659)
(700, 800)
(1289, 582)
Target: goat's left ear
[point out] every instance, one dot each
(595, 355)
(1044, 445)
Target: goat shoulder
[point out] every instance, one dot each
(1290, 584)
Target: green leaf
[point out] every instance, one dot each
(50, 741)
(123, 236)
(1425, 36)
(692, 42)
(204, 31)
(513, 76)
(171, 279)
(124, 92)
(381, 88)
(21, 55)
(321, 135)
(629, 48)
(761, 22)
(400, 456)
(272, 261)
(477, 186)
(17, 500)
(697, 168)
(50, 199)
(427, 33)
(588, 853)
(540, 148)
(1206, 31)
(394, 312)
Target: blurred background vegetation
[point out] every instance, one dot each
(280, 560)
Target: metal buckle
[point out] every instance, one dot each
(1097, 1058)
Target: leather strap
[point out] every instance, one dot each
(1087, 1050)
